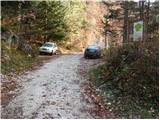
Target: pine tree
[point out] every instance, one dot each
(50, 19)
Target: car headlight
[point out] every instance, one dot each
(50, 50)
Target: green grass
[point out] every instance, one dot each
(95, 74)
(16, 61)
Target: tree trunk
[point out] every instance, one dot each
(147, 19)
(141, 5)
(125, 34)
(19, 17)
(46, 19)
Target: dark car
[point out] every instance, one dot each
(93, 51)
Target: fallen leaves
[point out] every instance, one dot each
(8, 86)
(99, 110)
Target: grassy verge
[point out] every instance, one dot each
(18, 64)
(123, 106)
(16, 61)
(128, 81)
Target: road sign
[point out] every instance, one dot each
(138, 31)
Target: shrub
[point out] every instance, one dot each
(134, 70)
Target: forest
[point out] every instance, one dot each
(128, 77)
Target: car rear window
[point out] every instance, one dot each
(48, 45)
(93, 47)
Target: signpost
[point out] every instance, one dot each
(138, 31)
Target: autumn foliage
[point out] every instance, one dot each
(132, 70)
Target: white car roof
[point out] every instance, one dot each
(93, 46)
(49, 43)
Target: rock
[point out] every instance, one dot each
(43, 95)
(6, 35)
(10, 38)
(6, 57)
(53, 103)
(59, 115)
(27, 49)
(16, 42)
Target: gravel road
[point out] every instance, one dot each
(53, 91)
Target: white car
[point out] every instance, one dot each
(49, 48)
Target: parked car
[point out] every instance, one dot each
(48, 48)
(93, 51)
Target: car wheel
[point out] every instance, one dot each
(101, 56)
(85, 57)
(55, 52)
(40, 53)
(51, 53)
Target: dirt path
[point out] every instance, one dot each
(53, 91)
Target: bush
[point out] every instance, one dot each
(133, 70)
(13, 60)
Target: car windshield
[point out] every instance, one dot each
(47, 45)
(92, 47)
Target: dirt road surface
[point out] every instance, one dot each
(53, 91)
